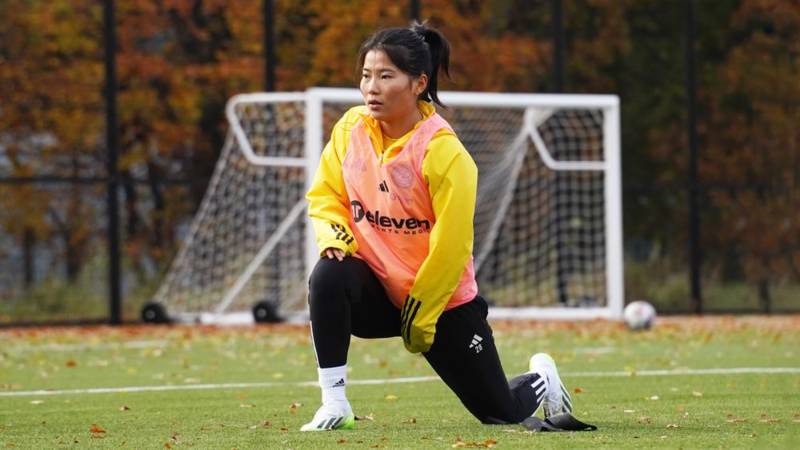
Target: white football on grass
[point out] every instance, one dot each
(639, 315)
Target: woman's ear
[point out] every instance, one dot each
(420, 84)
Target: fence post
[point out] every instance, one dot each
(109, 35)
(691, 128)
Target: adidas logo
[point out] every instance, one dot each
(339, 383)
(476, 343)
(383, 186)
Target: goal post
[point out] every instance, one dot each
(548, 226)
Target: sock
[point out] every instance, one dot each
(333, 380)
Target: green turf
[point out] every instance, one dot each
(632, 411)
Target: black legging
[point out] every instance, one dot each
(346, 298)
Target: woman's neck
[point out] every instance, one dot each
(398, 128)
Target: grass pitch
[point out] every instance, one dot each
(689, 383)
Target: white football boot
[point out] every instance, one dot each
(332, 416)
(556, 398)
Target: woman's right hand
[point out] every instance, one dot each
(334, 253)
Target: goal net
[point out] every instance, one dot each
(548, 228)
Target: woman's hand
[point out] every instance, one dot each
(334, 253)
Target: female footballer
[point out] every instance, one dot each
(392, 205)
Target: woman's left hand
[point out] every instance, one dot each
(334, 253)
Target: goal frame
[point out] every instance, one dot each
(314, 98)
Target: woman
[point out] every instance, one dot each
(392, 205)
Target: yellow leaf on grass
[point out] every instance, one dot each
(390, 397)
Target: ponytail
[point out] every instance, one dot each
(415, 50)
(440, 59)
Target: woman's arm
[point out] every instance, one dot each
(328, 201)
(452, 181)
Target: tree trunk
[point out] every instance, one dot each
(764, 298)
(28, 243)
(153, 177)
(131, 199)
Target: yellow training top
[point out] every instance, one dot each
(451, 176)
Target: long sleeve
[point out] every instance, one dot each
(328, 203)
(452, 181)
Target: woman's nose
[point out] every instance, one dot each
(372, 85)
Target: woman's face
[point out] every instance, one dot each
(389, 93)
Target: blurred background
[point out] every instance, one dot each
(710, 102)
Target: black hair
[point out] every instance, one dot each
(415, 50)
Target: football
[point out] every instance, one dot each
(639, 315)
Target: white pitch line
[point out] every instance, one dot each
(133, 389)
(94, 346)
(674, 372)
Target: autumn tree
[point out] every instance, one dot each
(753, 148)
(50, 76)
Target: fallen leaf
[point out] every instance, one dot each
(247, 405)
(96, 429)
(412, 420)
(293, 407)
(367, 417)
(628, 411)
(578, 390)
(37, 402)
(71, 363)
(167, 445)
(124, 408)
(645, 419)
(654, 397)
(489, 443)
(697, 394)
(390, 397)
(342, 441)
(672, 425)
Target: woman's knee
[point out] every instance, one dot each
(330, 276)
